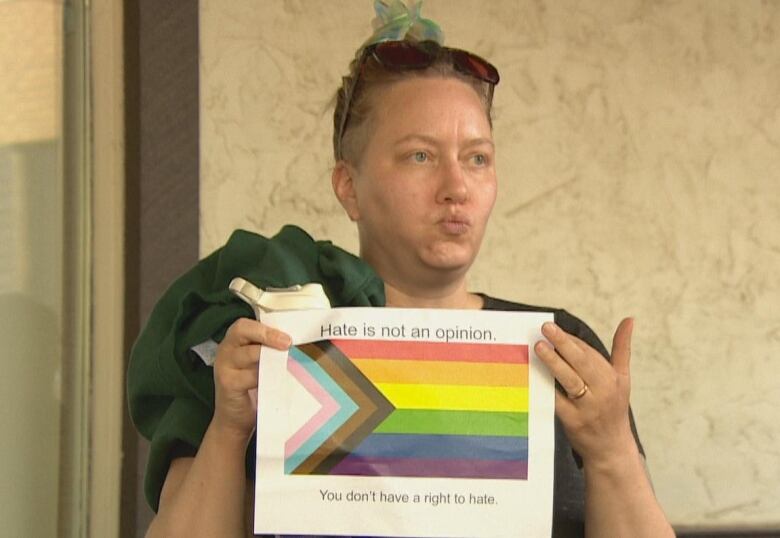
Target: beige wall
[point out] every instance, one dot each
(639, 149)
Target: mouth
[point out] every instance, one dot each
(455, 224)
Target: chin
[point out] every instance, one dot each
(451, 260)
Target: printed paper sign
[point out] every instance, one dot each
(405, 422)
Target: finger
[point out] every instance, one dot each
(246, 356)
(570, 351)
(232, 358)
(569, 379)
(600, 364)
(249, 331)
(565, 408)
(621, 346)
(579, 341)
(277, 339)
(238, 380)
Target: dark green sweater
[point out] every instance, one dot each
(170, 389)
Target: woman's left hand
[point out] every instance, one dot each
(594, 410)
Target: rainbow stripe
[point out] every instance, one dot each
(422, 409)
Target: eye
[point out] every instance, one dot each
(420, 156)
(480, 159)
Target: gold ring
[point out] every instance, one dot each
(584, 390)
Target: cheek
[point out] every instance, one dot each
(493, 197)
(395, 197)
(379, 206)
(404, 211)
(487, 198)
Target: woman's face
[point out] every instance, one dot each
(426, 183)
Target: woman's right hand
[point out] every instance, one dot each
(187, 508)
(235, 374)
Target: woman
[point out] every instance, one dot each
(415, 171)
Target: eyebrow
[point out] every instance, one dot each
(433, 141)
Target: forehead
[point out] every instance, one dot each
(429, 103)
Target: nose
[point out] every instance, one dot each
(453, 186)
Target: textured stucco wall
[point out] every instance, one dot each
(639, 172)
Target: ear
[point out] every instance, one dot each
(343, 182)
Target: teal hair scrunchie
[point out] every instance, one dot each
(396, 21)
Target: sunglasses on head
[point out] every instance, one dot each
(410, 55)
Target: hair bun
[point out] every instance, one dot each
(396, 21)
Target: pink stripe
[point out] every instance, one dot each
(328, 409)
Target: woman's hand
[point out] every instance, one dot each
(205, 495)
(235, 374)
(619, 499)
(594, 412)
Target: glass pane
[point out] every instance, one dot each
(31, 265)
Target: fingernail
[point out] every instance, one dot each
(550, 327)
(541, 345)
(284, 340)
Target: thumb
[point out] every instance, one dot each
(621, 346)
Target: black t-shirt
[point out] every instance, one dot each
(569, 484)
